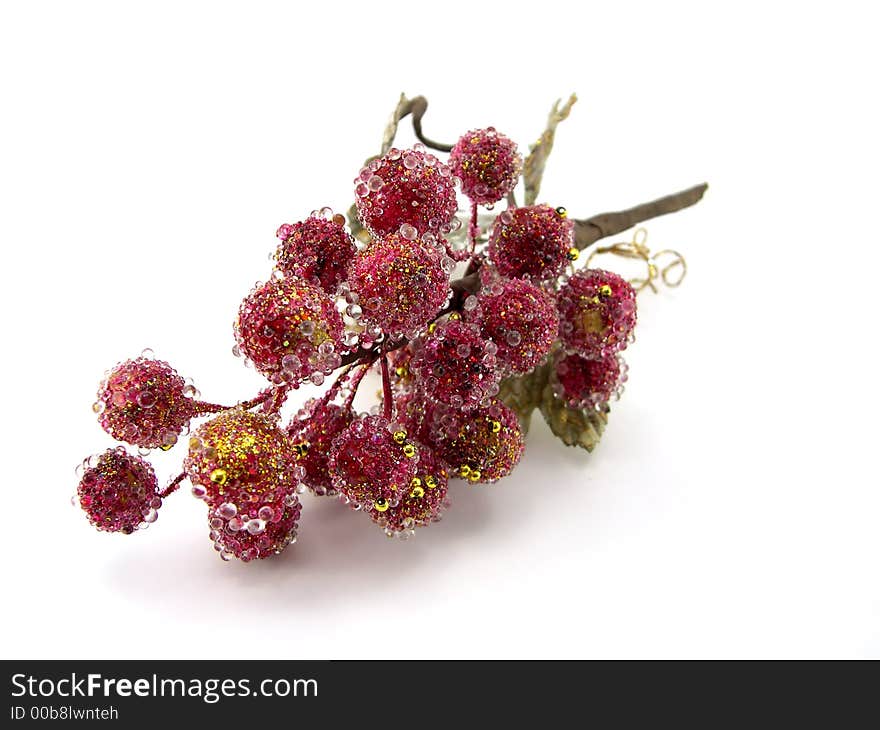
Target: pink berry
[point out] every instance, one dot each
(487, 163)
(290, 330)
(597, 312)
(373, 462)
(144, 402)
(401, 284)
(241, 459)
(533, 242)
(520, 318)
(406, 188)
(312, 433)
(589, 383)
(317, 249)
(423, 500)
(259, 532)
(456, 365)
(118, 491)
(482, 445)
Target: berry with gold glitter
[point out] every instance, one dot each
(145, 402)
(520, 318)
(318, 249)
(290, 330)
(589, 382)
(487, 163)
(118, 491)
(597, 312)
(400, 283)
(409, 188)
(312, 432)
(531, 242)
(373, 462)
(456, 365)
(243, 460)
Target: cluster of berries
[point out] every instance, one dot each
(384, 302)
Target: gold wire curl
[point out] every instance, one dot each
(637, 249)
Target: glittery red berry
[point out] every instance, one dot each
(400, 283)
(456, 365)
(290, 330)
(312, 432)
(144, 402)
(423, 501)
(520, 318)
(241, 461)
(260, 532)
(406, 188)
(482, 445)
(533, 242)
(118, 491)
(487, 163)
(373, 462)
(318, 249)
(597, 312)
(588, 383)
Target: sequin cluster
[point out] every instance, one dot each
(487, 163)
(318, 249)
(145, 402)
(520, 318)
(406, 188)
(290, 330)
(118, 491)
(533, 241)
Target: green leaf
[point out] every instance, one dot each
(573, 426)
(523, 393)
(533, 170)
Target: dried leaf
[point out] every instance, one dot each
(523, 393)
(533, 170)
(404, 106)
(573, 426)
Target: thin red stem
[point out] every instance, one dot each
(203, 408)
(386, 387)
(173, 486)
(356, 381)
(474, 229)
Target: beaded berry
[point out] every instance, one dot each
(487, 163)
(312, 432)
(534, 241)
(409, 188)
(317, 249)
(118, 491)
(290, 330)
(520, 318)
(373, 462)
(456, 365)
(262, 533)
(589, 382)
(424, 498)
(144, 402)
(241, 460)
(597, 312)
(482, 445)
(400, 283)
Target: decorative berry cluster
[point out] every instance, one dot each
(450, 353)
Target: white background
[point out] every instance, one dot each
(148, 154)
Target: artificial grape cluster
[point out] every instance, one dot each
(384, 301)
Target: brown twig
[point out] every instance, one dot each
(416, 107)
(590, 230)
